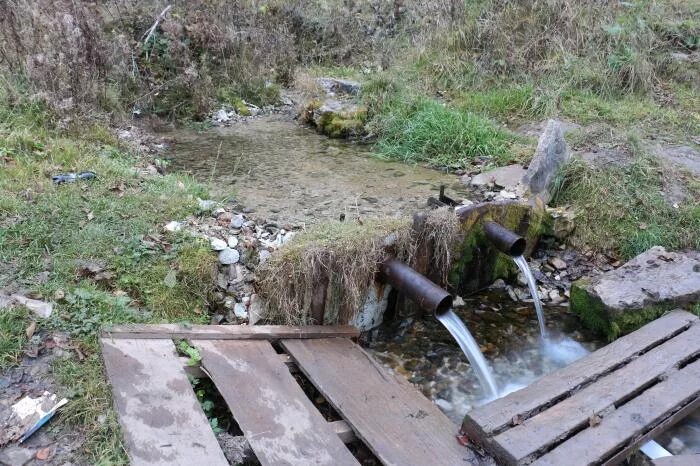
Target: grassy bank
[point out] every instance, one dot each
(112, 222)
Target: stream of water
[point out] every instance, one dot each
(290, 174)
(524, 267)
(471, 350)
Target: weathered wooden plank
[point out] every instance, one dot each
(280, 422)
(680, 460)
(632, 423)
(161, 419)
(392, 418)
(229, 332)
(498, 415)
(557, 422)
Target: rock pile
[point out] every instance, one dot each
(241, 244)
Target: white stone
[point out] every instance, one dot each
(206, 204)
(240, 311)
(264, 255)
(173, 226)
(221, 116)
(237, 221)
(232, 242)
(217, 244)
(371, 313)
(229, 256)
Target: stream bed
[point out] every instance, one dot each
(290, 174)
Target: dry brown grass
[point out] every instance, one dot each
(348, 254)
(442, 231)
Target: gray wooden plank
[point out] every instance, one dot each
(392, 418)
(631, 424)
(498, 415)
(557, 422)
(160, 416)
(228, 332)
(280, 422)
(680, 460)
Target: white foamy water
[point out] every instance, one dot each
(471, 350)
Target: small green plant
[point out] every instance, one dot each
(190, 351)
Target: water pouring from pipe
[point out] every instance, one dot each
(438, 301)
(514, 245)
(471, 350)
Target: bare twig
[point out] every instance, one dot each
(153, 28)
(213, 170)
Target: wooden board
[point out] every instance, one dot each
(399, 424)
(680, 460)
(280, 422)
(228, 332)
(569, 415)
(160, 416)
(497, 416)
(630, 424)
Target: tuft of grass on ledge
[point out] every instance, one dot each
(424, 130)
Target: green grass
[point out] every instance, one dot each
(621, 209)
(516, 101)
(427, 131)
(13, 323)
(116, 220)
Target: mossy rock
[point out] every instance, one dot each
(334, 118)
(622, 300)
(596, 317)
(241, 108)
(478, 262)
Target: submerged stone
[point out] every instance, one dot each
(621, 300)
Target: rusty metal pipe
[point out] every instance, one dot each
(505, 240)
(415, 286)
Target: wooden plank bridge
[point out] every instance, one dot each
(602, 407)
(594, 411)
(162, 421)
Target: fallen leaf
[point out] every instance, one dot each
(43, 453)
(516, 421)
(643, 226)
(31, 329)
(594, 420)
(119, 189)
(90, 215)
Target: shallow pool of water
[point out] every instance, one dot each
(508, 334)
(291, 174)
(425, 353)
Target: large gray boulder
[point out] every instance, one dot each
(551, 155)
(620, 300)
